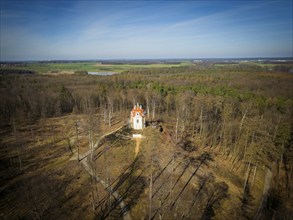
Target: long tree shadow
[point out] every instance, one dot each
(219, 193)
(183, 171)
(168, 177)
(181, 174)
(246, 203)
(209, 195)
(202, 184)
(129, 186)
(199, 161)
(203, 159)
(119, 181)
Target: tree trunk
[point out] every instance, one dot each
(160, 212)
(150, 195)
(201, 129)
(107, 179)
(276, 129)
(245, 146)
(247, 176)
(242, 120)
(254, 175)
(176, 130)
(154, 110)
(148, 108)
(110, 117)
(105, 115)
(77, 141)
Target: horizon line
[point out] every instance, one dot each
(146, 59)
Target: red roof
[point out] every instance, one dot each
(137, 110)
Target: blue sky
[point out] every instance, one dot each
(45, 30)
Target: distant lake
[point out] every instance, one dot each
(102, 73)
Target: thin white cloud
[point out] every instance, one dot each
(94, 31)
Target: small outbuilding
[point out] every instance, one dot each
(137, 117)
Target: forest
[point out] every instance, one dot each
(218, 144)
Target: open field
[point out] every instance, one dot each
(82, 67)
(75, 67)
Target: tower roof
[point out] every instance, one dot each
(137, 110)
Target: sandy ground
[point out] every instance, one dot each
(138, 141)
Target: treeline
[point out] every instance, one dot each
(158, 89)
(16, 71)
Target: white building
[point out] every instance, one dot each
(137, 117)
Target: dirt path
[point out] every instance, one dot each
(137, 146)
(83, 156)
(122, 205)
(266, 188)
(267, 184)
(84, 161)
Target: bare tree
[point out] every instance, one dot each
(77, 140)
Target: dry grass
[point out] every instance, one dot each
(51, 177)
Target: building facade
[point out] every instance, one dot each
(137, 117)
